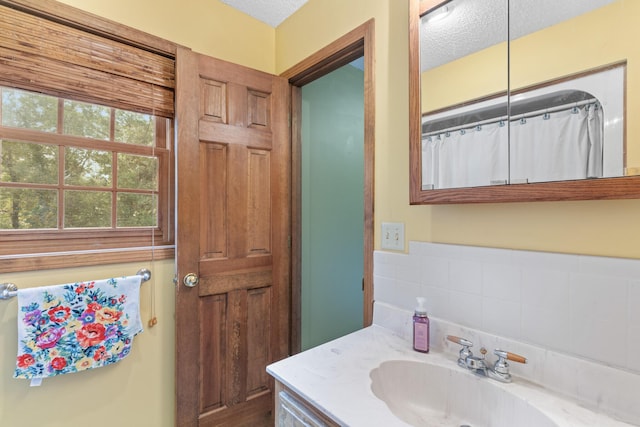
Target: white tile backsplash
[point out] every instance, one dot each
(495, 315)
(549, 328)
(437, 301)
(383, 265)
(546, 261)
(383, 289)
(582, 306)
(411, 271)
(605, 266)
(633, 332)
(598, 318)
(465, 309)
(545, 289)
(435, 272)
(465, 276)
(502, 282)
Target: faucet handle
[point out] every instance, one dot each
(500, 369)
(502, 355)
(465, 353)
(463, 342)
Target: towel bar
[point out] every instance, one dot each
(10, 290)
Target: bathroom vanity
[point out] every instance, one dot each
(372, 377)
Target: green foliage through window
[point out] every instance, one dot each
(134, 128)
(27, 209)
(28, 163)
(90, 168)
(88, 120)
(101, 171)
(136, 210)
(29, 110)
(85, 209)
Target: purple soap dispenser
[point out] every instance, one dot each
(421, 327)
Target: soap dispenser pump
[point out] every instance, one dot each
(420, 327)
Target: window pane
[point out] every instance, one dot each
(29, 110)
(90, 168)
(88, 120)
(28, 209)
(137, 210)
(84, 209)
(134, 128)
(28, 163)
(137, 172)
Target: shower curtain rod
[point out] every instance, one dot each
(516, 117)
(10, 290)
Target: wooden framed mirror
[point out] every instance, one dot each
(623, 187)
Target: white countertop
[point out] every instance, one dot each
(334, 377)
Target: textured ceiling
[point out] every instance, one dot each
(271, 12)
(472, 25)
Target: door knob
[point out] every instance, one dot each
(190, 280)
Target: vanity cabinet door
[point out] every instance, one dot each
(292, 411)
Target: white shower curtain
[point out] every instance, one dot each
(467, 157)
(562, 145)
(565, 144)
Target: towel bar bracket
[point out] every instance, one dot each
(145, 273)
(8, 290)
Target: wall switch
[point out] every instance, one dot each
(393, 236)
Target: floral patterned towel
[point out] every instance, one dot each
(77, 326)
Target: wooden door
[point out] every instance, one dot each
(233, 234)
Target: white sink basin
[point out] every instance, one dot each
(425, 394)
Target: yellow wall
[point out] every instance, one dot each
(206, 26)
(471, 77)
(137, 391)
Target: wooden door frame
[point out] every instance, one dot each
(355, 44)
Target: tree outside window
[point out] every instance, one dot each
(67, 165)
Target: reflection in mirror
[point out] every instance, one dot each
(571, 129)
(564, 119)
(577, 134)
(463, 52)
(585, 140)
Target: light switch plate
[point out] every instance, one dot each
(393, 236)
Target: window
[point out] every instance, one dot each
(80, 182)
(86, 158)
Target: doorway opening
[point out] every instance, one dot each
(356, 44)
(332, 205)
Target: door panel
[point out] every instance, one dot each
(213, 159)
(213, 309)
(233, 167)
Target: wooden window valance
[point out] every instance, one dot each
(42, 55)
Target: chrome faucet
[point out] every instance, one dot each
(500, 369)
